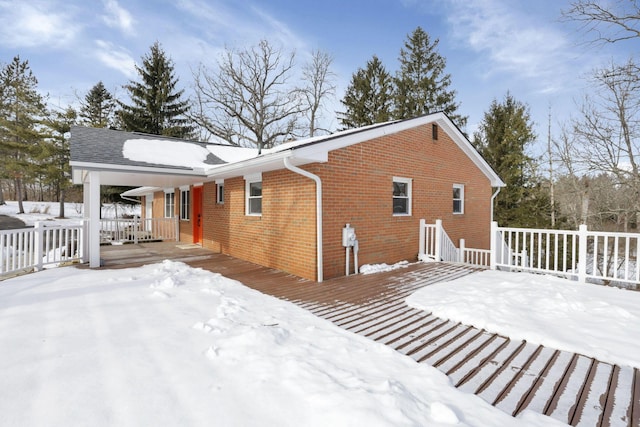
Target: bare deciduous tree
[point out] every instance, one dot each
(605, 138)
(571, 195)
(248, 101)
(609, 22)
(319, 86)
(609, 124)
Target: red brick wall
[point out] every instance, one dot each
(185, 226)
(284, 237)
(357, 184)
(357, 189)
(158, 204)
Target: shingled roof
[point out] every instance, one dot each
(105, 146)
(104, 150)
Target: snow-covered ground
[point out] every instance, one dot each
(167, 344)
(49, 211)
(592, 320)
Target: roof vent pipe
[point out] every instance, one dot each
(316, 178)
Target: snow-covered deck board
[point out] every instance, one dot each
(512, 375)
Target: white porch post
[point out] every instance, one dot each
(438, 238)
(38, 242)
(91, 199)
(493, 256)
(421, 243)
(582, 254)
(86, 209)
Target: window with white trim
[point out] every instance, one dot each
(401, 196)
(253, 192)
(184, 204)
(169, 204)
(220, 192)
(458, 198)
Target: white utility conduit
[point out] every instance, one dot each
(316, 178)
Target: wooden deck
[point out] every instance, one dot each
(509, 374)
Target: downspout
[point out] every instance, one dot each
(492, 200)
(295, 169)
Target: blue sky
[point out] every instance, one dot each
(491, 46)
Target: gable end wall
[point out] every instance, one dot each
(357, 183)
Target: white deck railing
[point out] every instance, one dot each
(583, 255)
(43, 245)
(138, 230)
(435, 244)
(473, 256)
(594, 256)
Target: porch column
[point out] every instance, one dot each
(91, 199)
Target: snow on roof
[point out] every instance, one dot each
(231, 154)
(297, 143)
(165, 152)
(182, 153)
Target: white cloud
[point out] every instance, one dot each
(512, 42)
(32, 24)
(240, 24)
(116, 58)
(217, 15)
(118, 17)
(279, 30)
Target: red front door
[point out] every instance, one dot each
(197, 214)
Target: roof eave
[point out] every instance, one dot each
(465, 145)
(267, 162)
(144, 169)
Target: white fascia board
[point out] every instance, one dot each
(133, 169)
(312, 154)
(468, 149)
(141, 191)
(263, 163)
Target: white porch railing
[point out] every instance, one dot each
(138, 230)
(43, 245)
(34, 248)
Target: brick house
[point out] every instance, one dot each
(381, 179)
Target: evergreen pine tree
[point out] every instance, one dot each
(156, 107)
(22, 109)
(421, 84)
(97, 108)
(368, 99)
(502, 139)
(54, 154)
